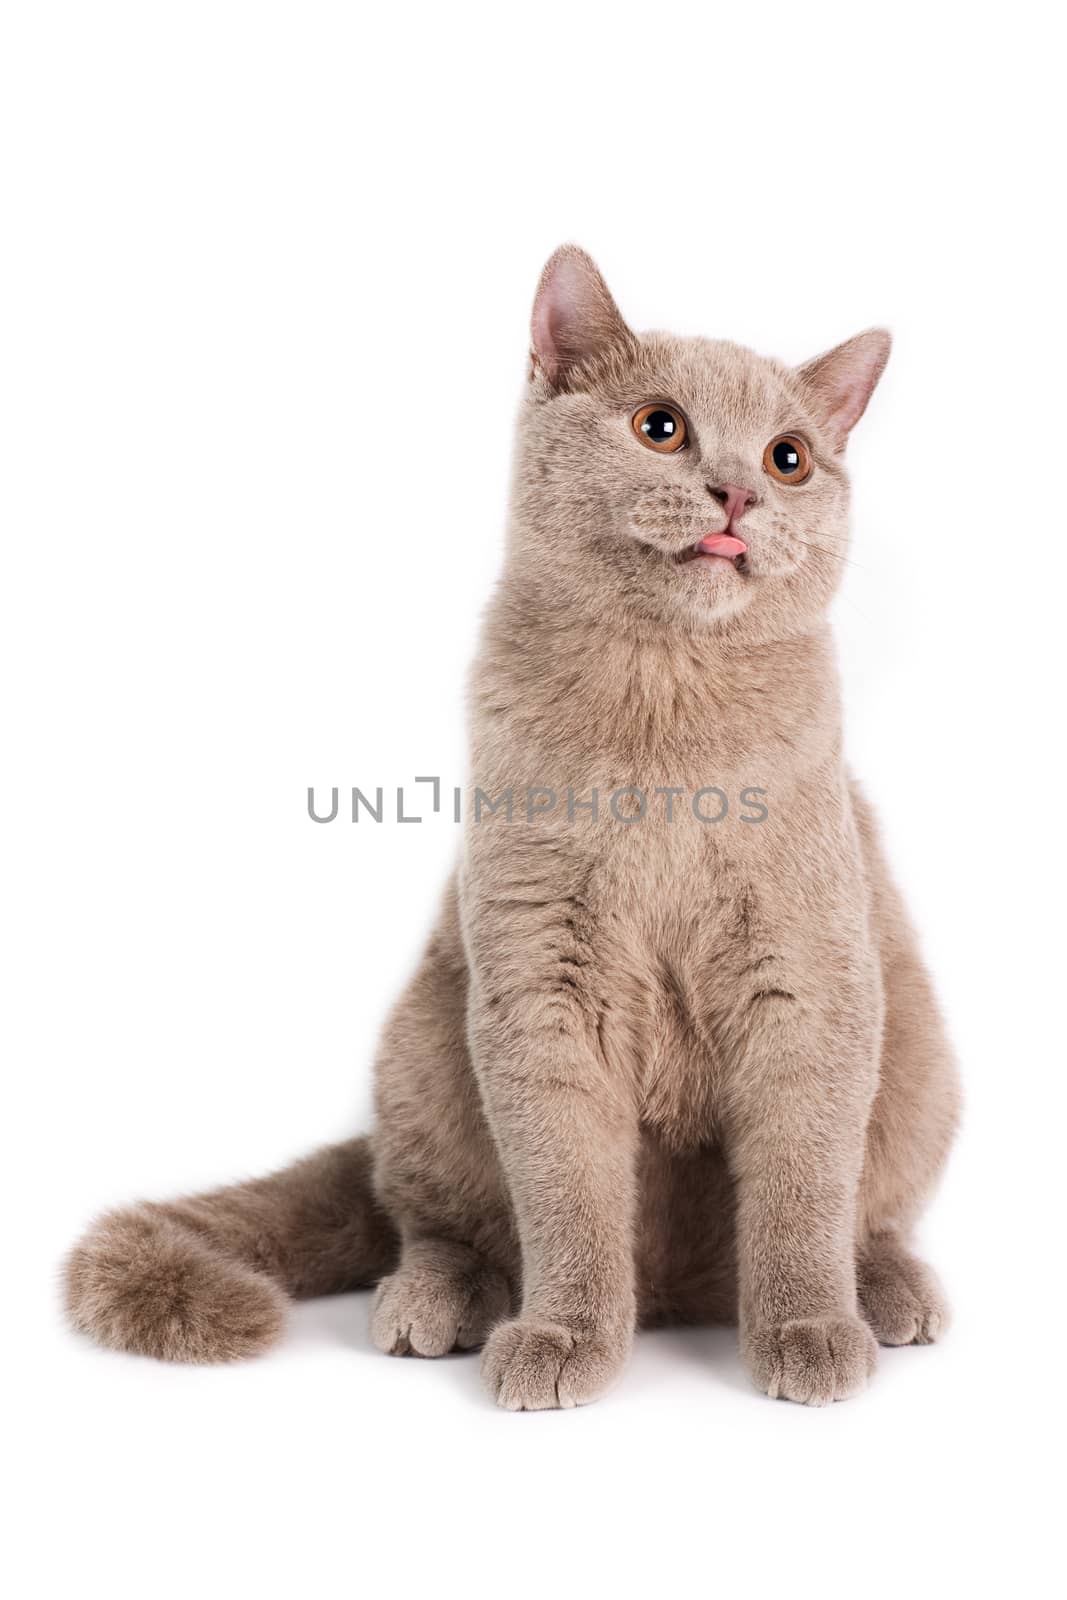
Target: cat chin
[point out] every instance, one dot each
(715, 599)
(708, 564)
(715, 583)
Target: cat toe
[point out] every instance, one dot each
(901, 1299)
(421, 1312)
(532, 1365)
(812, 1360)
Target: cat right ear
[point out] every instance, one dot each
(574, 317)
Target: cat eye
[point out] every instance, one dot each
(660, 427)
(788, 459)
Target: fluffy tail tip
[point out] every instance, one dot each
(142, 1282)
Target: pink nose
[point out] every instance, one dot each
(734, 500)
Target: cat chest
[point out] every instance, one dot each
(679, 1076)
(668, 976)
(697, 919)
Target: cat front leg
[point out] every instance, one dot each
(567, 1138)
(566, 1130)
(802, 1087)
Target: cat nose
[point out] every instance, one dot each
(734, 500)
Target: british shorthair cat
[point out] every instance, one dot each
(661, 1060)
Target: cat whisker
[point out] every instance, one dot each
(826, 550)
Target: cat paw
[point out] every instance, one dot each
(900, 1298)
(814, 1360)
(424, 1310)
(531, 1365)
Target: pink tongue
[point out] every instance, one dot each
(721, 544)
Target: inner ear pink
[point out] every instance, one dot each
(857, 386)
(564, 300)
(573, 313)
(546, 319)
(842, 381)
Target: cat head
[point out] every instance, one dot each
(678, 479)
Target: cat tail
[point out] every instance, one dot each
(209, 1278)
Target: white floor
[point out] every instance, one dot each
(326, 1468)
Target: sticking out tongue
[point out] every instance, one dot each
(722, 544)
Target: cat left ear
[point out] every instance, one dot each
(841, 382)
(574, 317)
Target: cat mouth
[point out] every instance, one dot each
(717, 550)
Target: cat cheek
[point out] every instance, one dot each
(668, 513)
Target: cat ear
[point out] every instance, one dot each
(841, 382)
(574, 317)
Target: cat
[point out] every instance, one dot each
(651, 1068)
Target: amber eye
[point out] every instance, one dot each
(660, 427)
(788, 459)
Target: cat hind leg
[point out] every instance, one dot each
(442, 1297)
(899, 1296)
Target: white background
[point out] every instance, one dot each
(267, 278)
